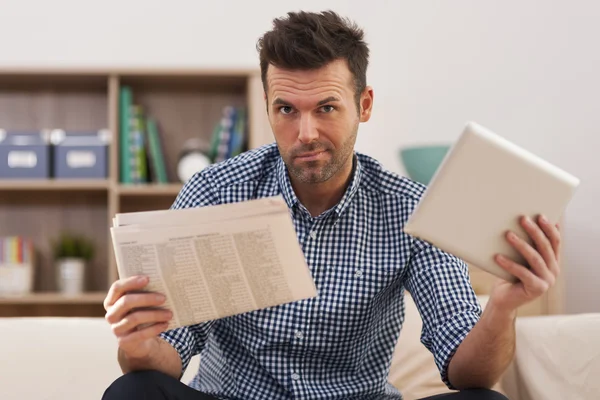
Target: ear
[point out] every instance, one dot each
(366, 104)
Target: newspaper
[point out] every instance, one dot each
(217, 261)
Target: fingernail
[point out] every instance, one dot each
(142, 279)
(512, 236)
(528, 220)
(160, 297)
(543, 219)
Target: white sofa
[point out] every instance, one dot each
(75, 358)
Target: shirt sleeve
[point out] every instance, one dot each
(440, 286)
(190, 340)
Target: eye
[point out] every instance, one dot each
(328, 109)
(285, 110)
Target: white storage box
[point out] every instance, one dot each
(16, 279)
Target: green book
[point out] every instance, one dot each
(125, 101)
(139, 145)
(157, 159)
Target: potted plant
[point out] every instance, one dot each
(71, 254)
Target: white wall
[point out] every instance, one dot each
(529, 70)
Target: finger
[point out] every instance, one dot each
(135, 319)
(552, 232)
(533, 258)
(123, 286)
(543, 246)
(129, 302)
(532, 284)
(143, 334)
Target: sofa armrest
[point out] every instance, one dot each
(557, 357)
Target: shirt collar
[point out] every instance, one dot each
(291, 199)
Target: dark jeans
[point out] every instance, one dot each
(154, 385)
(474, 394)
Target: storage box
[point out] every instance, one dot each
(16, 279)
(24, 154)
(80, 154)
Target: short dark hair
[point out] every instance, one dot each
(307, 40)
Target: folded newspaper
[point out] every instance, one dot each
(216, 261)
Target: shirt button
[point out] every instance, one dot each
(358, 273)
(299, 335)
(313, 234)
(295, 376)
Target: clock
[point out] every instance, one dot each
(193, 158)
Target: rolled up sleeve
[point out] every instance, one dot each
(440, 286)
(188, 341)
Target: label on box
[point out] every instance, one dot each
(22, 159)
(81, 159)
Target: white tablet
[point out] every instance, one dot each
(479, 191)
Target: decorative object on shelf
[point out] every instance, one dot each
(16, 265)
(25, 155)
(193, 158)
(80, 154)
(421, 162)
(72, 252)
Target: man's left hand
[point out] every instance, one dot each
(543, 260)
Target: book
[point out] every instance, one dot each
(155, 154)
(125, 103)
(216, 261)
(137, 145)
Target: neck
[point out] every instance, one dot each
(320, 197)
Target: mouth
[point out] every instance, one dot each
(312, 156)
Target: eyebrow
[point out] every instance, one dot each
(280, 101)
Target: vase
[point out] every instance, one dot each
(70, 275)
(421, 162)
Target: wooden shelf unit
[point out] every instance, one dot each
(185, 102)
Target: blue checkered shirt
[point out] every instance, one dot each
(339, 344)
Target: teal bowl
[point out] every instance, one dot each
(421, 162)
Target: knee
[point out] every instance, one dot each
(135, 385)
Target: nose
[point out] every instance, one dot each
(307, 131)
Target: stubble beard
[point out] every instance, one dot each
(310, 173)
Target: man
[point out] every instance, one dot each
(348, 213)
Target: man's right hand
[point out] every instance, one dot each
(135, 326)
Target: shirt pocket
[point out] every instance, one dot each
(348, 300)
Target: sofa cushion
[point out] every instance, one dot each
(56, 358)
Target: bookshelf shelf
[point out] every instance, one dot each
(170, 189)
(186, 103)
(55, 298)
(54, 185)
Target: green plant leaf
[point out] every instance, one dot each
(71, 245)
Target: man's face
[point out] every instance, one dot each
(314, 119)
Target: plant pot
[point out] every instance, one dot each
(70, 275)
